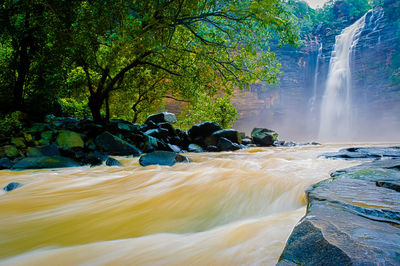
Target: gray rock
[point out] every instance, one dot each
(115, 146)
(200, 131)
(48, 150)
(163, 117)
(112, 162)
(44, 162)
(195, 148)
(227, 145)
(263, 136)
(161, 158)
(352, 218)
(365, 153)
(11, 186)
(246, 141)
(230, 134)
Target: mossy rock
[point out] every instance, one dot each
(69, 139)
(18, 142)
(9, 151)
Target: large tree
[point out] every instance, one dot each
(193, 45)
(33, 39)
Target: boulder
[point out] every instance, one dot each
(199, 132)
(112, 162)
(9, 151)
(11, 186)
(48, 150)
(69, 139)
(116, 146)
(90, 128)
(95, 158)
(352, 218)
(212, 148)
(174, 148)
(263, 136)
(195, 148)
(246, 141)
(44, 162)
(230, 134)
(158, 133)
(122, 125)
(38, 128)
(161, 158)
(163, 117)
(225, 144)
(68, 123)
(5, 163)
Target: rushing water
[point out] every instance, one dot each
(222, 209)
(336, 107)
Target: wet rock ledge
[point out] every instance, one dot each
(353, 218)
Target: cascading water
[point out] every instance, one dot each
(220, 209)
(313, 99)
(336, 106)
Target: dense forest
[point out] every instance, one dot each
(126, 59)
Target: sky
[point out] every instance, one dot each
(316, 3)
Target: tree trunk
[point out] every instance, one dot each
(95, 103)
(22, 70)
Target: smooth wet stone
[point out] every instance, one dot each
(327, 236)
(161, 158)
(69, 139)
(107, 142)
(163, 117)
(364, 153)
(12, 186)
(230, 134)
(263, 136)
(195, 148)
(48, 150)
(44, 162)
(112, 162)
(200, 131)
(5, 163)
(224, 144)
(352, 218)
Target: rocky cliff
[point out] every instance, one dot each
(293, 106)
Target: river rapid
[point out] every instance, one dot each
(231, 208)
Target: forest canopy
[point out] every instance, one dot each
(106, 59)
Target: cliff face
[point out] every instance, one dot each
(293, 106)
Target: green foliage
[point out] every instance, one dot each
(72, 107)
(219, 109)
(11, 124)
(338, 14)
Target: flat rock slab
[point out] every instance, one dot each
(365, 153)
(327, 236)
(352, 218)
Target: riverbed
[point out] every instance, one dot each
(228, 208)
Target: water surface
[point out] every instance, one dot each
(230, 208)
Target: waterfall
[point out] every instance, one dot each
(336, 107)
(316, 74)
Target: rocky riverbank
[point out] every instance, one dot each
(66, 142)
(353, 218)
